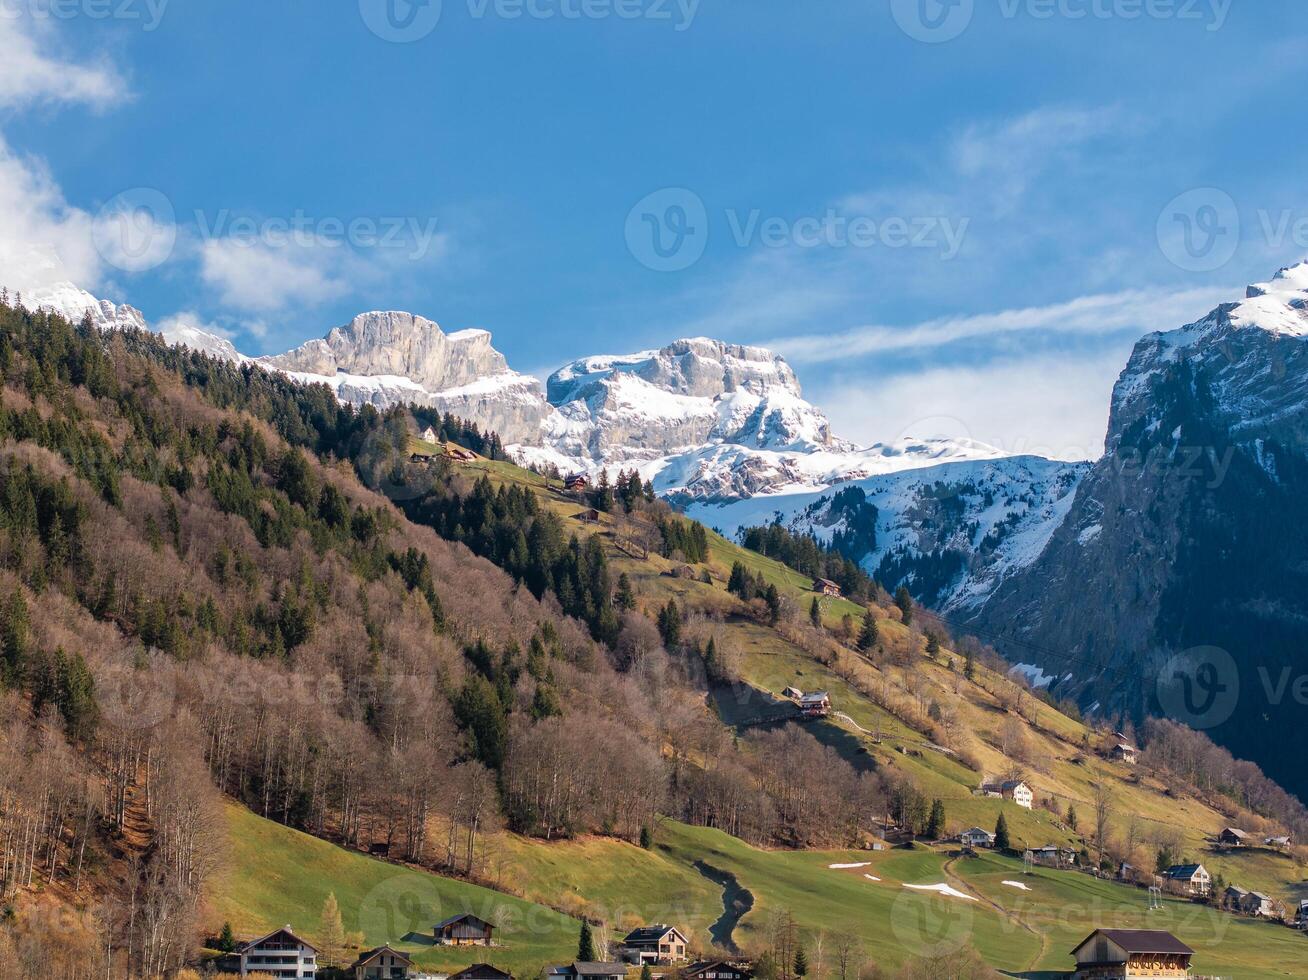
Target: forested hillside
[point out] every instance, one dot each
(218, 583)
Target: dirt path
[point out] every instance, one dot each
(963, 885)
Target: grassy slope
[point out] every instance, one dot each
(625, 884)
(273, 876)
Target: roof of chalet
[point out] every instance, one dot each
(817, 697)
(263, 939)
(384, 948)
(462, 916)
(650, 934)
(591, 969)
(1242, 834)
(480, 971)
(1186, 871)
(826, 582)
(1140, 941)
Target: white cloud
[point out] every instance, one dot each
(1054, 406)
(43, 239)
(31, 73)
(256, 276)
(1141, 309)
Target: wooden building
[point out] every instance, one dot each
(464, 930)
(815, 705)
(576, 483)
(382, 963)
(1126, 954)
(1010, 789)
(827, 587)
(1125, 753)
(1231, 837)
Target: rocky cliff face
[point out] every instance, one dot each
(390, 358)
(74, 303)
(1188, 538)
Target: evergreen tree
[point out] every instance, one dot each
(625, 598)
(739, 582)
(15, 639)
(905, 603)
(545, 703)
(868, 635)
(801, 962)
(646, 837)
(935, 828)
(1071, 816)
(646, 973)
(480, 714)
(586, 944)
(932, 645)
(773, 599)
(670, 624)
(77, 694)
(1002, 843)
(815, 613)
(226, 939)
(969, 667)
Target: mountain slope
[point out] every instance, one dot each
(1191, 532)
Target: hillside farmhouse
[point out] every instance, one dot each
(576, 483)
(815, 705)
(429, 435)
(658, 945)
(1188, 879)
(1011, 789)
(464, 930)
(1125, 753)
(825, 586)
(1231, 837)
(1124, 954)
(977, 837)
(281, 954)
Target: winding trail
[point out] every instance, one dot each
(961, 884)
(736, 902)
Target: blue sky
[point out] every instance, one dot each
(958, 234)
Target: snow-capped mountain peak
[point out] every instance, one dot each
(73, 302)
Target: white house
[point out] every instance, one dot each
(1189, 879)
(1010, 789)
(976, 837)
(281, 954)
(429, 435)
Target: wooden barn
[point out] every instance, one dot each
(464, 930)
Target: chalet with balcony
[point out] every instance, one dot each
(815, 705)
(977, 837)
(656, 945)
(280, 954)
(717, 970)
(1188, 879)
(1127, 954)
